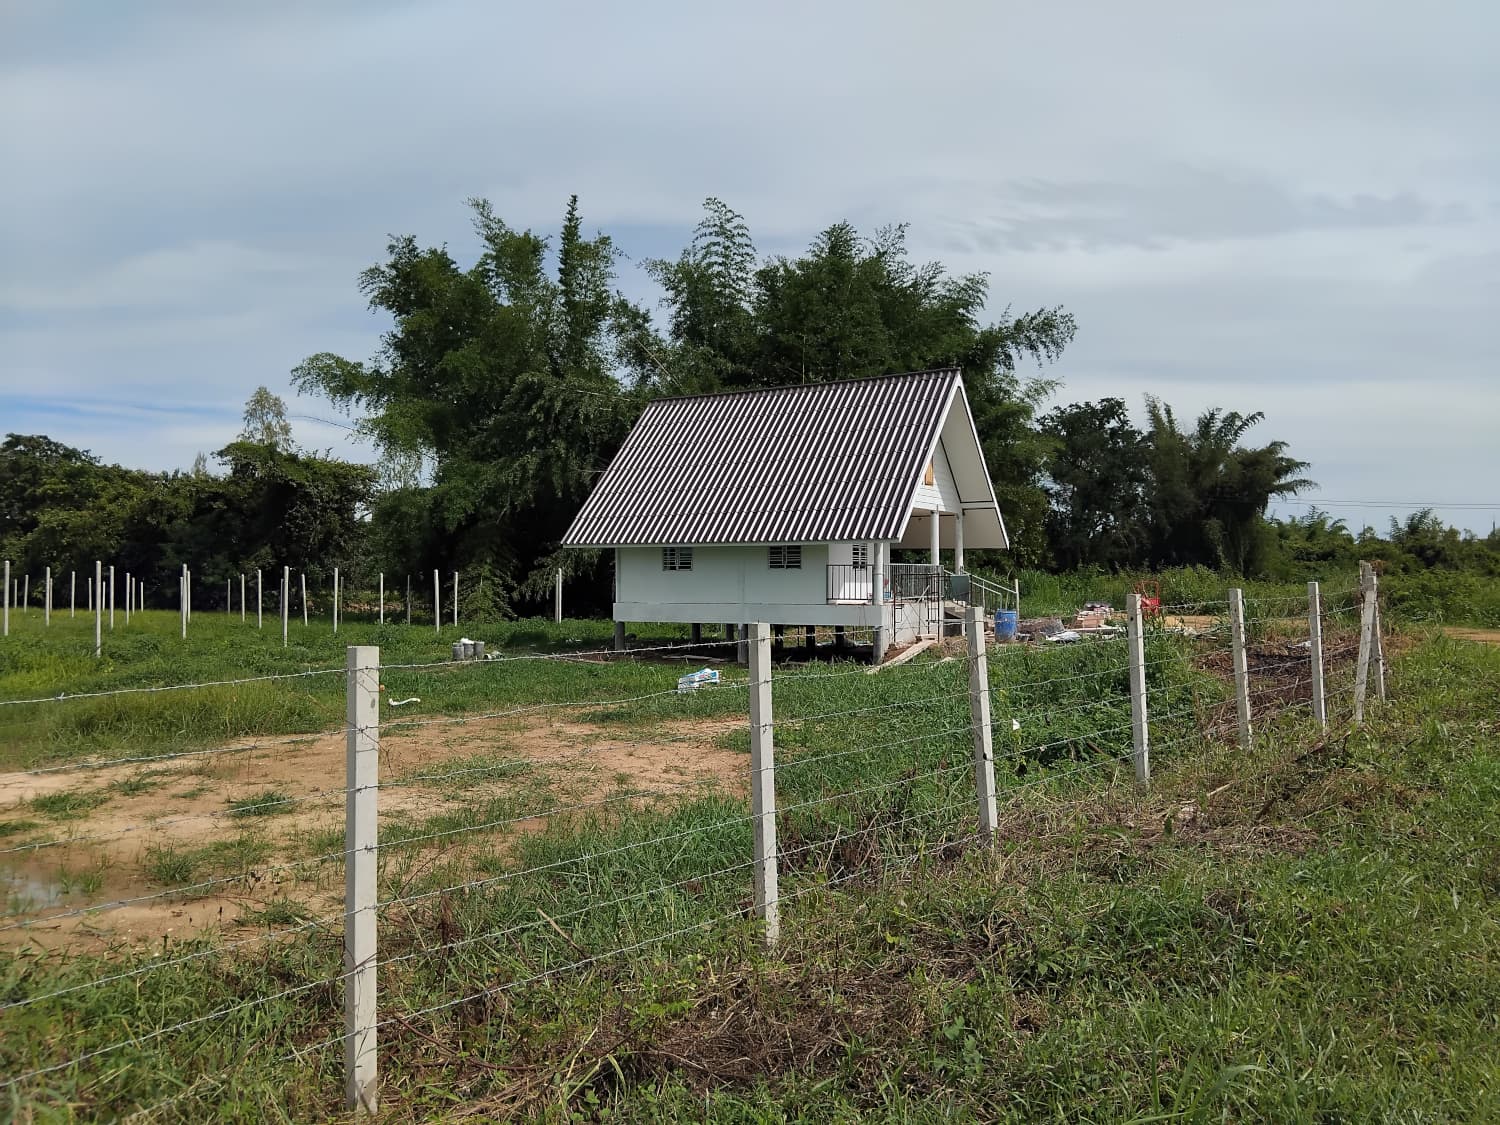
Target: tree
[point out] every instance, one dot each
(265, 421)
(1208, 494)
(1096, 485)
(501, 377)
(854, 307)
(709, 291)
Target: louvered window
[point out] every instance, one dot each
(677, 558)
(861, 556)
(786, 558)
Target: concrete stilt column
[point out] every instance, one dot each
(696, 635)
(619, 636)
(742, 649)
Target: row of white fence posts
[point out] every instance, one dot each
(361, 824)
(363, 754)
(1371, 651)
(48, 601)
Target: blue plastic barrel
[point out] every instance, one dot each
(1006, 621)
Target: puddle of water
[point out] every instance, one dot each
(26, 892)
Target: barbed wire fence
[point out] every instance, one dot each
(613, 825)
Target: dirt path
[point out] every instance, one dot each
(1480, 636)
(133, 831)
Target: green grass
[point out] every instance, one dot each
(462, 773)
(268, 802)
(1436, 597)
(68, 805)
(38, 663)
(81, 880)
(1305, 932)
(174, 866)
(139, 783)
(278, 912)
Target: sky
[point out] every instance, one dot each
(1284, 207)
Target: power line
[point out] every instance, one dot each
(1404, 505)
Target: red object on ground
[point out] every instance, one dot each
(1150, 591)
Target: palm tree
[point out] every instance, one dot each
(1210, 493)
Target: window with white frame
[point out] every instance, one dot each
(861, 556)
(677, 558)
(786, 558)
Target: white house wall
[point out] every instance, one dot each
(722, 574)
(735, 584)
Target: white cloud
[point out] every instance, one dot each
(1256, 207)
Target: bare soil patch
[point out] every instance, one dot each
(1479, 636)
(134, 839)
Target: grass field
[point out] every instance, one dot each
(1306, 932)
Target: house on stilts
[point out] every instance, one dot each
(784, 505)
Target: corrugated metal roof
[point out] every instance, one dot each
(823, 462)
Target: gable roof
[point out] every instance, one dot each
(821, 462)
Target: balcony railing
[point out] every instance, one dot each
(911, 581)
(853, 583)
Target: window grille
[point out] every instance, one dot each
(786, 558)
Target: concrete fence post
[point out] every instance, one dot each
(1379, 639)
(437, 604)
(763, 781)
(335, 600)
(260, 601)
(243, 610)
(111, 599)
(26, 593)
(72, 593)
(182, 599)
(1241, 663)
(286, 598)
(303, 577)
(98, 609)
(129, 596)
(557, 609)
(979, 713)
(382, 597)
(1140, 730)
(1366, 639)
(455, 598)
(5, 631)
(47, 599)
(408, 599)
(1315, 654)
(361, 855)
